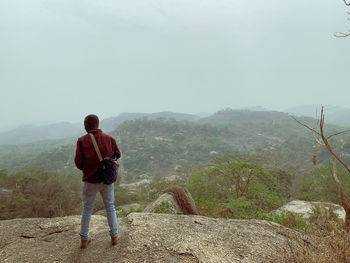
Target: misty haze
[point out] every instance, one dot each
(223, 111)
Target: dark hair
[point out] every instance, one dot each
(91, 122)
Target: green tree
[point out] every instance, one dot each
(235, 190)
(318, 185)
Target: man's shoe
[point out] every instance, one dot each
(85, 243)
(114, 240)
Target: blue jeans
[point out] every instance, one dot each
(89, 193)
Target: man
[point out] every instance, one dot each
(86, 159)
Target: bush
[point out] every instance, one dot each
(38, 193)
(319, 185)
(234, 189)
(290, 220)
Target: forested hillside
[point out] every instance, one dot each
(54, 155)
(156, 147)
(112, 123)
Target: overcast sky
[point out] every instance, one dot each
(63, 59)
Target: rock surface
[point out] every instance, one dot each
(306, 209)
(148, 237)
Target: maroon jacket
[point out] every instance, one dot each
(86, 158)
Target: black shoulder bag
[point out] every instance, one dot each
(109, 166)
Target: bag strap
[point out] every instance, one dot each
(96, 147)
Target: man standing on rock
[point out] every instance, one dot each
(86, 159)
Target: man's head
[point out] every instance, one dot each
(91, 122)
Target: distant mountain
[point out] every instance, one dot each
(239, 117)
(31, 133)
(333, 114)
(112, 123)
(340, 117)
(61, 130)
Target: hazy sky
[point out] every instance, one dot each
(63, 59)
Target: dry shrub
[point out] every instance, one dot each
(327, 241)
(332, 244)
(331, 240)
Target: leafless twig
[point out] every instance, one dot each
(345, 203)
(326, 143)
(340, 34)
(335, 134)
(306, 126)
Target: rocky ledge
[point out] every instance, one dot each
(147, 237)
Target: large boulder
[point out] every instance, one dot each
(150, 238)
(174, 200)
(135, 186)
(306, 209)
(163, 204)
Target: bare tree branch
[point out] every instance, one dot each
(316, 132)
(340, 34)
(324, 139)
(320, 142)
(306, 126)
(345, 203)
(335, 134)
